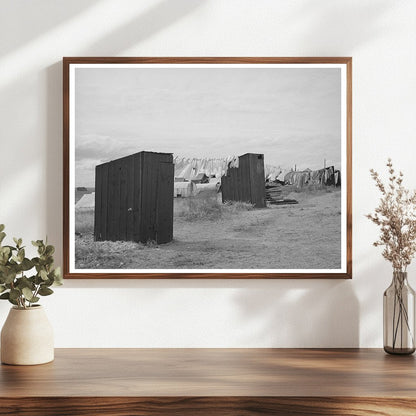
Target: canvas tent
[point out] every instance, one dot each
(271, 173)
(86, 202)
(213, 186)
(200, 178)
(325, 176)
(184, 189)
(189, 169)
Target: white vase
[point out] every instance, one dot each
(27, 337)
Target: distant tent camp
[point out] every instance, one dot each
(325, 176)
(281, 177)
(213, 186)
(202, 170)
(190, 169)
(184, 189)
(337, 178)
(200, 178)
(86, 202)
(271, 173)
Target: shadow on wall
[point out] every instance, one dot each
(54, 145)
(301, 313)
(309, 313)
(261, 313)
(375, 276)
(153, 20)
(147, 24)
(336, 18)
(37, 18)
(156, 18)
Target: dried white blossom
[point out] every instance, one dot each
(396, 217)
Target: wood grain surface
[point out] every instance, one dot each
(208, 406)
(208, 381)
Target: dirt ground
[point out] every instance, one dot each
(306, 235)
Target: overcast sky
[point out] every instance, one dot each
(293, 116)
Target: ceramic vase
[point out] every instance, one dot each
(27, 337)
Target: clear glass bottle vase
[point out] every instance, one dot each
(399, 316)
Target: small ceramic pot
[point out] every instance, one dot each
(27, 337)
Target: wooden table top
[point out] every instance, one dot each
(214, 372)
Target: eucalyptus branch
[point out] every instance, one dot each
(35, 293)
(16, 284)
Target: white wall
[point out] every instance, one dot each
(380, 35)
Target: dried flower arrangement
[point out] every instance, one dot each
(396, 217)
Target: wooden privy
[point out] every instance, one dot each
(246, 182)
(134, 198)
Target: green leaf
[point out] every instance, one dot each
(37, 243)
(9, 277)
(38, 280)
(58, 280)
(56, 272)
(48, 282)
(45, 291)
(21, 255)
(26, 264)
(13, 302)
(11, 248)
(4, 257)
(35, 261)
(2, 236)
(25, 282)
(43, 274)
(15, 294)
(48, 260)
(27, 293)
(5, 250)
(49, 250)
(2, 227)
(7, 296)
(2, 288)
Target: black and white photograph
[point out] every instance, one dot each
(211, 168)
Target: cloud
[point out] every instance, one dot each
(290, 115)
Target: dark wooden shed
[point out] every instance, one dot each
(245, 183)
(134, 198)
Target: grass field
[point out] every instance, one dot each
(211, 235)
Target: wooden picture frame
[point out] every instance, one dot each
(83, 102)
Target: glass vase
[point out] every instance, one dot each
(399, 316)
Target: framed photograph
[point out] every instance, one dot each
(207, 168)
